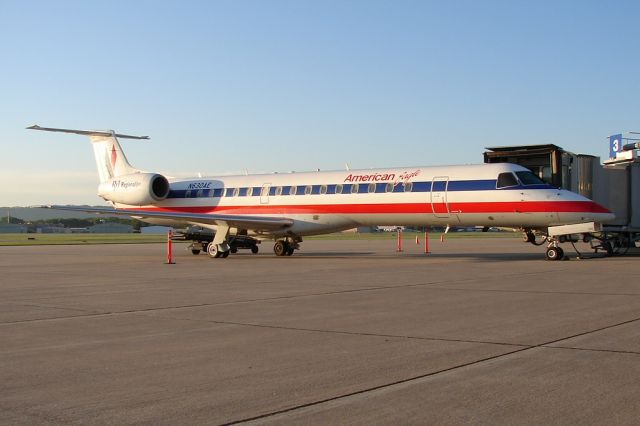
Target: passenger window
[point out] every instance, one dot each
(199, 193)
(388, 187)
(323, 189)
(338, 189)
(506, 180)
(372, 187)
(408, 186)
(354, 188)
(187, 194)
(293, 190)
(279, 190)
(307, 190)
(235, 192)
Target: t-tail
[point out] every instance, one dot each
(120, 182)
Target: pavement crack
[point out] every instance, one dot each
(613, 351)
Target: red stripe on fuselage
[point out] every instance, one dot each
(395, 208)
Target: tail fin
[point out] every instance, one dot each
(110, 158)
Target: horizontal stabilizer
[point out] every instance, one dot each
(87, 132)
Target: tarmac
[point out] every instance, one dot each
(481, 331)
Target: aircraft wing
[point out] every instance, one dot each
(255, 223)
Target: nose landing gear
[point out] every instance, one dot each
(554, 252)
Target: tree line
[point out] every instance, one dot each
(76, 223)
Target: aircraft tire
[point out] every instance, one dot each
(554, 253)
(280, 248)
(213, 251)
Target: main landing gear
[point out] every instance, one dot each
(286, 246)
(218, 250)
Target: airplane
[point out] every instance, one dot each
(285, 207)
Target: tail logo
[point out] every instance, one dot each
(114, 156)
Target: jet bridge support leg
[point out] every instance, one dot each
(219, 247)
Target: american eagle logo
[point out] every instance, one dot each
(114, 156)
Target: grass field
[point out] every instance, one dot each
(61, 239)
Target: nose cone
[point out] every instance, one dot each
(578, 209)
(603, 214)
(599, 213)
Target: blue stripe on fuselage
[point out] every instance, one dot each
(454, 185)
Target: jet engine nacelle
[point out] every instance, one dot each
(135, 189)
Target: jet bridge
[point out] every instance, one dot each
(614, 184)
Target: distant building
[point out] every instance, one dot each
(111, 228)
(390, 228)
(52, 229)
(79, 230)
(361, 230)
(155, 229)
(11, 228)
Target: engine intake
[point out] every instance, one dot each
(135, 189)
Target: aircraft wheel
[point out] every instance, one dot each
(290, 251)
(213, 251)
(280, 248)
(555, 253)
(195, 251)
(254, 249)
(225, 254)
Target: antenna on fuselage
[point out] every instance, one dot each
(347, 166)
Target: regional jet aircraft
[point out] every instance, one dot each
(284, 207)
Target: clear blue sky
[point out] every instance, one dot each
(224, 86)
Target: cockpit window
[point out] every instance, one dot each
(506, 179)
(528, 178)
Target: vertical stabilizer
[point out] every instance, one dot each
(110, 158)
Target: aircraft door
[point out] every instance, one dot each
(439, 203)
(264, 193)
